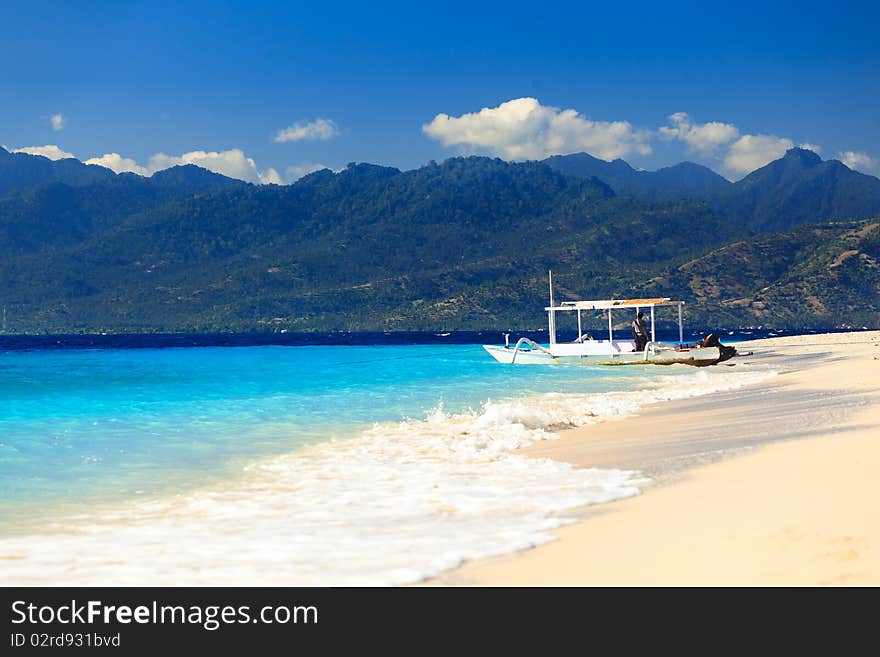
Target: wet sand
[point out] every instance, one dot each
(774, 484)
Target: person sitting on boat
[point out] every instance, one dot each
(640, 331)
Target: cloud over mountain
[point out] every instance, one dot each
(738, 153)
(50, 151)
(524, 129)
(751, 152)
(119, 164)
(702, 137)
(233, 163)
(858, 161)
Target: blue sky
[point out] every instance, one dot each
(216, 82)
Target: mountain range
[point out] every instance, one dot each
(683, 180)
(20, 171)
(461, 244)
(795, 189)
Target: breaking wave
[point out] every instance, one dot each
(402, 502)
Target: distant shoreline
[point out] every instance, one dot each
(13, 341)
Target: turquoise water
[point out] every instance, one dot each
(83, 425)
(294, 465)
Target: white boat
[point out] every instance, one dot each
(587, 350)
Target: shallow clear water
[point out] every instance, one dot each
(76, 424)
(295, 465)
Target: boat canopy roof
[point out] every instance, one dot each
(605, 304)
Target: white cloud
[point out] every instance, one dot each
(49, 150)
(702, 137)
(297, 171)
(233, 163)
(317, 129)
(740, 154)
(811, 147)
(523, 129)
(270, 177)
(750, 152)
(117, 163)
(857, 160)
(57, 121)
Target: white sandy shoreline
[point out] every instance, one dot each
(803, 511)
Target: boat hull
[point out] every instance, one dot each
(523, 356)
(693, 356)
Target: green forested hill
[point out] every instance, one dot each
(56, 214)
(819, 275)
(21, 171)
(463, 244)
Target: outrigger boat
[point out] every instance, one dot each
(588, 351)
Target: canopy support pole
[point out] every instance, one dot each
(680, 328)
(552, 318)
(580, 330)
(653, 338)
(610, 334)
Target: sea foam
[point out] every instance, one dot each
(402, 502)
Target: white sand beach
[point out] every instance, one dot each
(774, 484)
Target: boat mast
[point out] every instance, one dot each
(552, 313)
